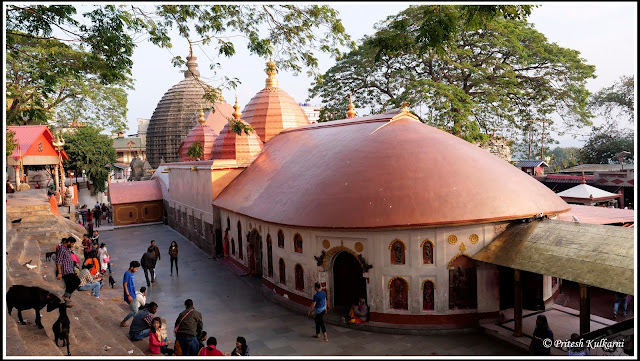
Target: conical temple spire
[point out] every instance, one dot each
(237, 114)
(192, 67)
(350, 113)
(272, 81)
(201, 120)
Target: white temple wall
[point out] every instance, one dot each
(375, 251)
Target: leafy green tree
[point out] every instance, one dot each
(605, 142)
(492, 78)
(92, 152)
(57, 49)
(616, 99)
(563, 158)
(11, 142)
(195, 150)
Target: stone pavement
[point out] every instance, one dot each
(231, 306)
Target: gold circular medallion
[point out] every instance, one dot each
(326, 244)
(359, 247)
(474, 238)
(452, 239)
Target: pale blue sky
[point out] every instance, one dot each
(605, 33)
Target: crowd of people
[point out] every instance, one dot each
(94, 217)
(191, 339)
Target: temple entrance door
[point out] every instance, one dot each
(255, 253)
(532, 291)
(219, 243)
(348, 282)
(507, 291)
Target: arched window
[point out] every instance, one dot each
(297, 243)
(397, 248)
(299, 274)
(233, 246)
(427, 252)
(399, 293)
(280, 238)
(269, 256)
(228, 223)
(428, 295)
(239, 240)
(462, 283)
(282, 277)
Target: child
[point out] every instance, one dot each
(202, 340)
(158, 338)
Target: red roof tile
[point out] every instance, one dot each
(27, 134)
(133, 192)
(598, 215)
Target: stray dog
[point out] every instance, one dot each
(49, 254)
(112, 282)
(24, 297)
(62, 327)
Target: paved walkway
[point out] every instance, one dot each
(232, 307)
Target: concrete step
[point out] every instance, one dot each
(13, 341)
(37, 340)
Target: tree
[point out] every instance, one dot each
(493, 78)
(92, 152)
(563, 158)
(605, 142)
(11, 142)
(195, 150)
(616, 99)
(99, 46)
(46, 77)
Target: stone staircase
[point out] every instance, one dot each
(95, 325)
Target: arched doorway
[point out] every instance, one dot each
(348, 282)
(255, 253)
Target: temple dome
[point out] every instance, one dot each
(200, 133)
(175, 115)
(229, 145)
(383, 171)
(272, 109)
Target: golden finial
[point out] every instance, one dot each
(350, 113)
(201, 120)
(405, 106)
(236, 107)
(272, 81)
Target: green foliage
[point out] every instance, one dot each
(195, 150)
(616, 99)
(477, 81)
(11, 142)
(605, 142)
(46, 76)
(92, 152)
(563, 158)
(238, 127)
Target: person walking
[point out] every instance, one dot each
(148, 262)
(64, 266)
(156, 250)
(86, 246)
(141, 323)
(319, 305)
(188, 328)
(97, 215)
(620, 298)
(173, 254)
(105, 260)
(129, 288)
(541, 333)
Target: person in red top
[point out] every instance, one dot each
(211, 349)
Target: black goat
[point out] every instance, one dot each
(62, 327)
(24, 298)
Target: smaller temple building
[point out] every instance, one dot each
(136, 202)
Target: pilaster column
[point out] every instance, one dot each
(585, 308)
(16, 168)
(517, 303)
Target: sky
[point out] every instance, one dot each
(605, 34)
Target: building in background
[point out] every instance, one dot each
(312, 111)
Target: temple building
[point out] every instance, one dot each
(381, 206)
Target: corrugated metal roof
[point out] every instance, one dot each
(27, 134)
(531, 163)
(598, 215)
(133, 192)
(596, 168)
(595, 255)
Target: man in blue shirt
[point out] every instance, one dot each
(319, 305)
(129, 288)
